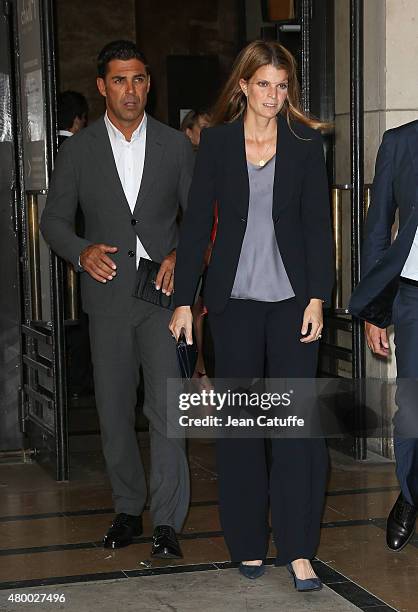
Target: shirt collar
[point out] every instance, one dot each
(118, 134)
(65, 133)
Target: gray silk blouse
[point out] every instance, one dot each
(261, 274)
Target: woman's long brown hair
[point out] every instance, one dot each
(232, 101)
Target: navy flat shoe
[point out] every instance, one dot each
(310, 584)
(252, 571)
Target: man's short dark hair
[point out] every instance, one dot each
(121, 50)
(71, 104)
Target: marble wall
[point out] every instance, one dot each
(82, 29)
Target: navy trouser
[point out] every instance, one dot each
(256, 339)
(405, 318)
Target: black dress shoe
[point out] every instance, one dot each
(401, 524)
(165, 544)
(122, 530)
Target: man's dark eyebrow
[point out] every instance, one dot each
(119, 76)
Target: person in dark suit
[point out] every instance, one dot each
(388, 292)
(270, 272)
(130, 174)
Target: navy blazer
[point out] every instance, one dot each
(395, 187)
(300, 213)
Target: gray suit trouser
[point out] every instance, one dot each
(119, 346)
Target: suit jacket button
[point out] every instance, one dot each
(134, 221)
(131, 254)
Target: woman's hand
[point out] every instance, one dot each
(182, 319)
(312, 315)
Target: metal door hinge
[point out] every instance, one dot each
(15, 209)
(23, 410)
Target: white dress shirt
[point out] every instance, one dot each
(66, 133)
(129, 157)
(410, 269)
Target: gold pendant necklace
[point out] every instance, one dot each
(262, 161)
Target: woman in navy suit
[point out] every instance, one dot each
(270, 272)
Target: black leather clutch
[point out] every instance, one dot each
(145, 285)
(187, 356)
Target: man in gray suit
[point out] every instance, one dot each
(130, 174)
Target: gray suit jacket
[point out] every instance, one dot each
(85, 172)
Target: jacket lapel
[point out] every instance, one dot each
(104, 156)
(413, 149)
(237, 164)
(153, 153)
(285, 159)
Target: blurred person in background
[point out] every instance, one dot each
(73, 112)
(192, 125)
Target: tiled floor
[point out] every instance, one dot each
(213, 591)
(50, 537)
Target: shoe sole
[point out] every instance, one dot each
(308, 590)
(113, 545)
(252, 577)
(303, 590)
(166, 556)
(395, 550)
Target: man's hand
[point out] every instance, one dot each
(95, 261)
(165, 276)
(312, 316)
(377, 340)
